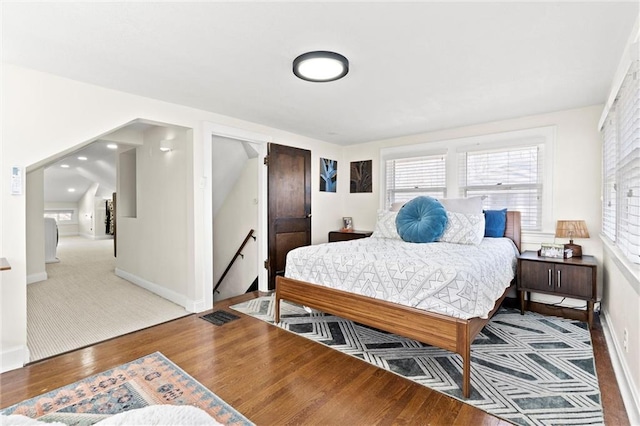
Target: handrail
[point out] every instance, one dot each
(238, 253)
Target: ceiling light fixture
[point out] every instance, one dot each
(71, 190)
(64, 166)
(112, 146)
(81, 158)
(166, 145)
(320, 66)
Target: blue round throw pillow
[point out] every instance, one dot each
(421, 220)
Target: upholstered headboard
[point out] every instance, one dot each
(512, 229)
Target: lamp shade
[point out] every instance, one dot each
(571, 229)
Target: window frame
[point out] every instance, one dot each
(619, 220)
(541, 136)
(439, 153)
(58, 211)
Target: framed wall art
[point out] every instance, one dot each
(328, 175)
(361, 176)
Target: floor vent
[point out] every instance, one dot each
(219, 317)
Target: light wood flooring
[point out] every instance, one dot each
(274, 377)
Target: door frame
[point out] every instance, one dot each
(260, 141)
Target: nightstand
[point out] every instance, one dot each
(346, 236)
(574, 277)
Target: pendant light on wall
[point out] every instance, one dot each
(320, 66)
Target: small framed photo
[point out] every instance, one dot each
(347, 224)
(552, 250)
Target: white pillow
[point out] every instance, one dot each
(471, 205)
(463, 228)
(386, 226)
(395, 207)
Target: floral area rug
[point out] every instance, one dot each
(147, 381)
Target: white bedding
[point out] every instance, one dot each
(457, 280)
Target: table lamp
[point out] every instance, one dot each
(572, 229)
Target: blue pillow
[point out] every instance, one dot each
(421, 220)
(495, 222)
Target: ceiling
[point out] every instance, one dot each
(414, 67)
(99, 167)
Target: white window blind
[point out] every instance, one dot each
(408, 178)
(621, 134)
(609, 163)
(506, 178)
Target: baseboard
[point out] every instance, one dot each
(13, 357)
(197, 306)
(96, 237)
(630, 394)
(67, 234)
(35, 278)
(171, 295)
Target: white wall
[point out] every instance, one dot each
(70, 114)
(620, 306)
(237, 215)
(65, 229)
(86, 212)
(576, 132)
(36, 268)
(152, 246)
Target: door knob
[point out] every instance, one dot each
(309, 215)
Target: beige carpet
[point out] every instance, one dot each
(84, 302)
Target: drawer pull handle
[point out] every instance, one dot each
(559, 279)
(550, 283)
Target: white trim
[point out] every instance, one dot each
(624, 378)
(211, 130)
(534, 237)
(95, 237)
(36, 278)
(177, 298)
(629, 55)
(13, 357)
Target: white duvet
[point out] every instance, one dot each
(462, 281)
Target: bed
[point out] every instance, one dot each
(437, 329)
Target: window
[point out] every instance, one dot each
(621, 168)
(408, 178)
(509, 170)
(61, 216)
(507, 177)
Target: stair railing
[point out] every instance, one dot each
(238, 254)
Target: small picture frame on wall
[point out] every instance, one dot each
(347, 224)
(552, 250)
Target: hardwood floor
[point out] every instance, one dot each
(275, 377)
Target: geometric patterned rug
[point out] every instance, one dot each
(527, 369)
(150, 380)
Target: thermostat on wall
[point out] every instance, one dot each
(16, 180)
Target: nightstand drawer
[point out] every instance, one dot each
(574, 278)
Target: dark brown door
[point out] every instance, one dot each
(289, 217)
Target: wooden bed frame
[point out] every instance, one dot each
(434, 329)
